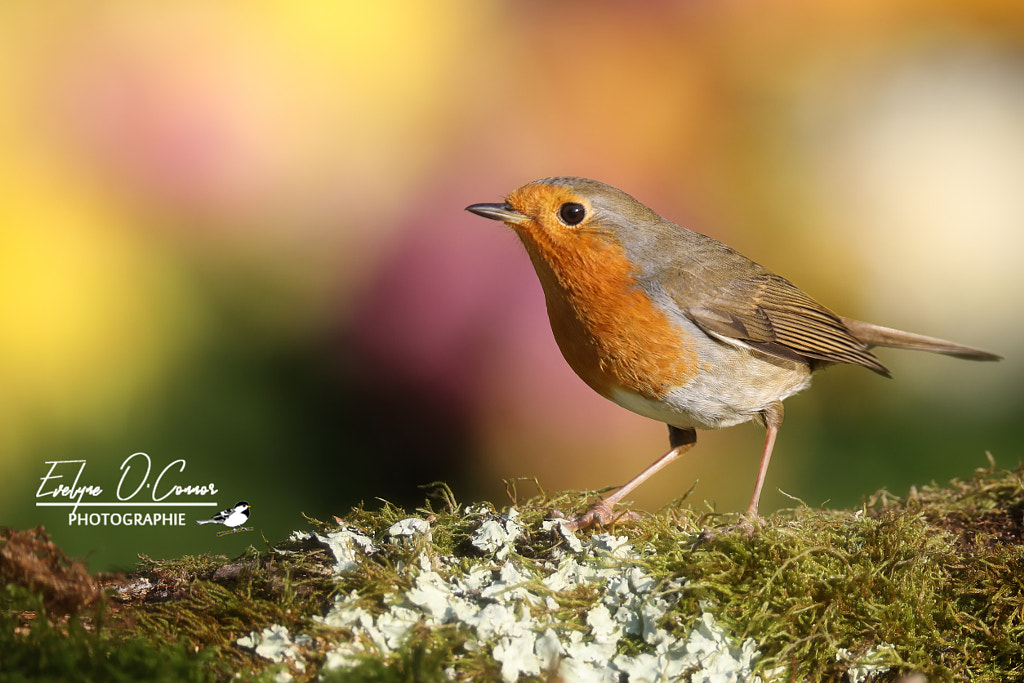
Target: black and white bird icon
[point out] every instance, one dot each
(233, 517)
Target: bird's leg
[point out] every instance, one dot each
(772, 418)
(601, 513)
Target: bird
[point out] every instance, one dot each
(676, 326)
(233, 517)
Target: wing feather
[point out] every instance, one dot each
(773, 316)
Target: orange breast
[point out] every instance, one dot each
(609, 331)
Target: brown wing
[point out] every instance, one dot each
(773, 316)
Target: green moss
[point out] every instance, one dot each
(930, 582)
(423, 660)
(79, 649)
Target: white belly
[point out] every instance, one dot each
(720, 397)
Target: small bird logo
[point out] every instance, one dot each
(233, 517)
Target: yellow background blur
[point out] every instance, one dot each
(233, 233)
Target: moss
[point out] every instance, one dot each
(83, 649)
(929, 582)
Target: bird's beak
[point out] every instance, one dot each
(498, 212)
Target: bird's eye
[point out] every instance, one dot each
(572, 213)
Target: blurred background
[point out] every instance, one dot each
(233, 233)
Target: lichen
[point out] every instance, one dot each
(926, 583)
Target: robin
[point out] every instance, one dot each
(676, 326)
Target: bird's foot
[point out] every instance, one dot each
(747, 525)
(602, 515)
(234, 530)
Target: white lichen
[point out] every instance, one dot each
(508, 610)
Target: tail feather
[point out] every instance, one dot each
(876, 335)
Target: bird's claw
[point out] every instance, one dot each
(748, 525)
(601, 514)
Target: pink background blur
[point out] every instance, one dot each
(234, 233)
